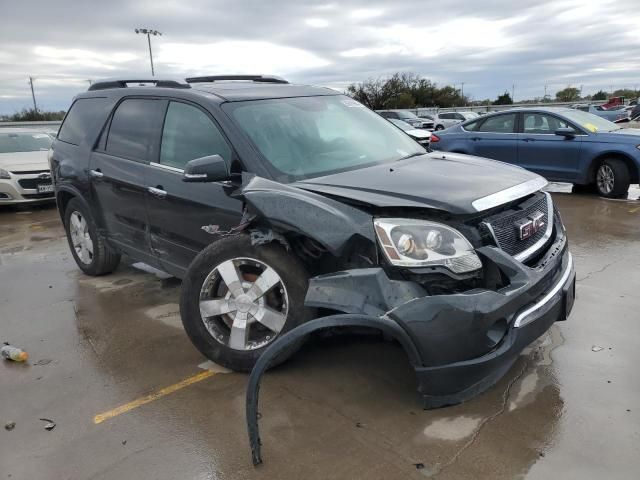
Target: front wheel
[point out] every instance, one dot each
(89, 248)
(237, 298)
(612, 178)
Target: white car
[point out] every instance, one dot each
(24, 168)
(449, 119)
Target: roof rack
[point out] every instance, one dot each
(123, 83)
(252, 78)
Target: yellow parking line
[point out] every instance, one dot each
(101, 417)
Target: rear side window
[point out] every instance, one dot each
(134, 128)
(82, 116)
(188, 134)
(472, 126)
(499, 124)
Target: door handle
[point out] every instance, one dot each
(528, 139)
(475, 139)
(157, 191)
(96, 173)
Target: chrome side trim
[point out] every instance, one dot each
(509, 194)
(520, 319)
(166, 167)
(525, 254)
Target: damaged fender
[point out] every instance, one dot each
(331, 223)
(387, 326)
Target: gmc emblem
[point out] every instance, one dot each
(527, 227)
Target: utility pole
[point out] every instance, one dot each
(148, 32)
(462, 92)
(33, 95)
(513, 93)
(545, 92)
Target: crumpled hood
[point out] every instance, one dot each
(445, 181)
(24, 161)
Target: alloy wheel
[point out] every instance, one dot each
(244, 303)
(605, 179)
(80, 237)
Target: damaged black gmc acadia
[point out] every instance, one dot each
(278, 204)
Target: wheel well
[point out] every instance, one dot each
(633, 169)
(63, 200)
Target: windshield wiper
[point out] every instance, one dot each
(411, 155)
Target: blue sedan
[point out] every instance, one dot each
(561, 144)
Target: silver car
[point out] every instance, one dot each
(24, 167)
(449, 119)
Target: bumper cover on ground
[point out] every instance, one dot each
(459, 344)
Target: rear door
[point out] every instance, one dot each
(180, 213)
(495, 138)
(540, 150)
(117, 173)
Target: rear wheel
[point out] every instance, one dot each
(89, 248)
(237, 298)
(439, 127)
(612, 178)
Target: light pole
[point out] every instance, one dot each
(148, 32)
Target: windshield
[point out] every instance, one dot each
(407, 115)
(24, 142)
(400, 124)
(590, 122)
(313, 136)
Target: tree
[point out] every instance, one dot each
(599, 95)
(504, 99)
(405, 90)
(569, 94)
(31, 115)
(627, 93)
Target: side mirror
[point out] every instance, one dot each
(566, 132)
(212, 168)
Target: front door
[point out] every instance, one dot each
(540, 150)
(117, 173)
(181, 214)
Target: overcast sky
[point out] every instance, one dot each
(488, 45)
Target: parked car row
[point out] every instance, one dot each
(561, 144)
(613, 114)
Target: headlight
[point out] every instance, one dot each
(4, 174)
(420, 243)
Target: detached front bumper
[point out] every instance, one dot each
(465, 342)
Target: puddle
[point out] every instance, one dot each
(452, 428)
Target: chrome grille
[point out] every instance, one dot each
(503, 227)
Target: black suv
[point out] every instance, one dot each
(279, 203)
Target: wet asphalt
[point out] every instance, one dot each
(344, 407)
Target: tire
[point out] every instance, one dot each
(439, 127)
(100, 258)
(217, 337)
(612, 178)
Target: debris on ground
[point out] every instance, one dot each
(50, 424)
(9, 352)
(43, 361)
(419, 466)
(10, 426)
(596, 348)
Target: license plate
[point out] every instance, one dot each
(45, 188)
(569, 299)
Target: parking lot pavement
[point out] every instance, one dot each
(131, 398)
